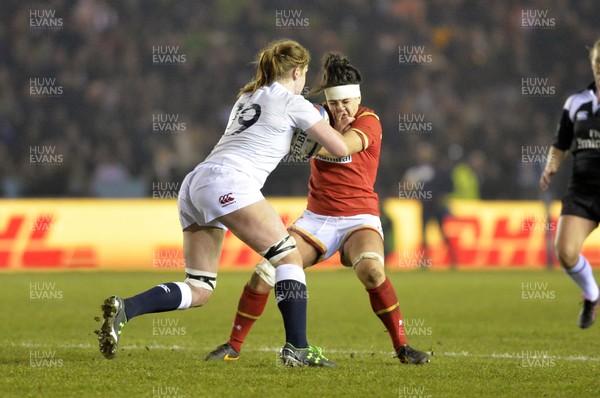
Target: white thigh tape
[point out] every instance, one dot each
(203, 279)
(368, 256)
(266, 271)
(279, 250)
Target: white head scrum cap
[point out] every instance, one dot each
(342, 92)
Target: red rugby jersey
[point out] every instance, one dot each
(344, 186)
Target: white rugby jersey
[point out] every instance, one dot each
(260, 130)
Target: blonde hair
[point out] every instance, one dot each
(276, 60)
(596, 47)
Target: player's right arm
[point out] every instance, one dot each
(555, 159)
(562, 142)
(330, 138)
(308, 118)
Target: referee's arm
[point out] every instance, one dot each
(562, 142)
(555, 159)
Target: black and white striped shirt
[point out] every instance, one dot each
(579, 131)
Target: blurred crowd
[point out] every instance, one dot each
(122, 98)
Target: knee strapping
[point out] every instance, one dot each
(367, 256)
(266, 271)
(279, 250)
(203, 279)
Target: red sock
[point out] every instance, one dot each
(250, 308)
(385, 305)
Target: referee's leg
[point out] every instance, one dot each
(571, 233)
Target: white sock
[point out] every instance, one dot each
(186, 295)
(289, 272)
(583, 276)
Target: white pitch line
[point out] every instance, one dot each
(516, 356)
(462, 354)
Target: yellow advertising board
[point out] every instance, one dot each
(480, 234)
(144, 234)
(81, 233)
(108, 234)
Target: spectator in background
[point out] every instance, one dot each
(102, 57)
(430, 182)
(466, 176)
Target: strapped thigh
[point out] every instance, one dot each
(266, 271)
(204, 279)
(368, 256)
(279, 250)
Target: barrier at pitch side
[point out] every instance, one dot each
(145, 234)
(516, 234)
(109, 234)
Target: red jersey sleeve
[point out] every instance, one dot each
(368, 127)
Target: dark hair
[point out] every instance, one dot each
(337, 71)
(274, 61)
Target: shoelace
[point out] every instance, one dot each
(317, 351)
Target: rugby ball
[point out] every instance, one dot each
(302, 147)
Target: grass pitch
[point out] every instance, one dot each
(493, 334)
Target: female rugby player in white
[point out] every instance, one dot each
(223, 192)
(580, 214)
(342, 215)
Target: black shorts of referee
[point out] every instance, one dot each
(582, 204)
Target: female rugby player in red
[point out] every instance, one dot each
(342, 215)
(579, 131)
(223, 192)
